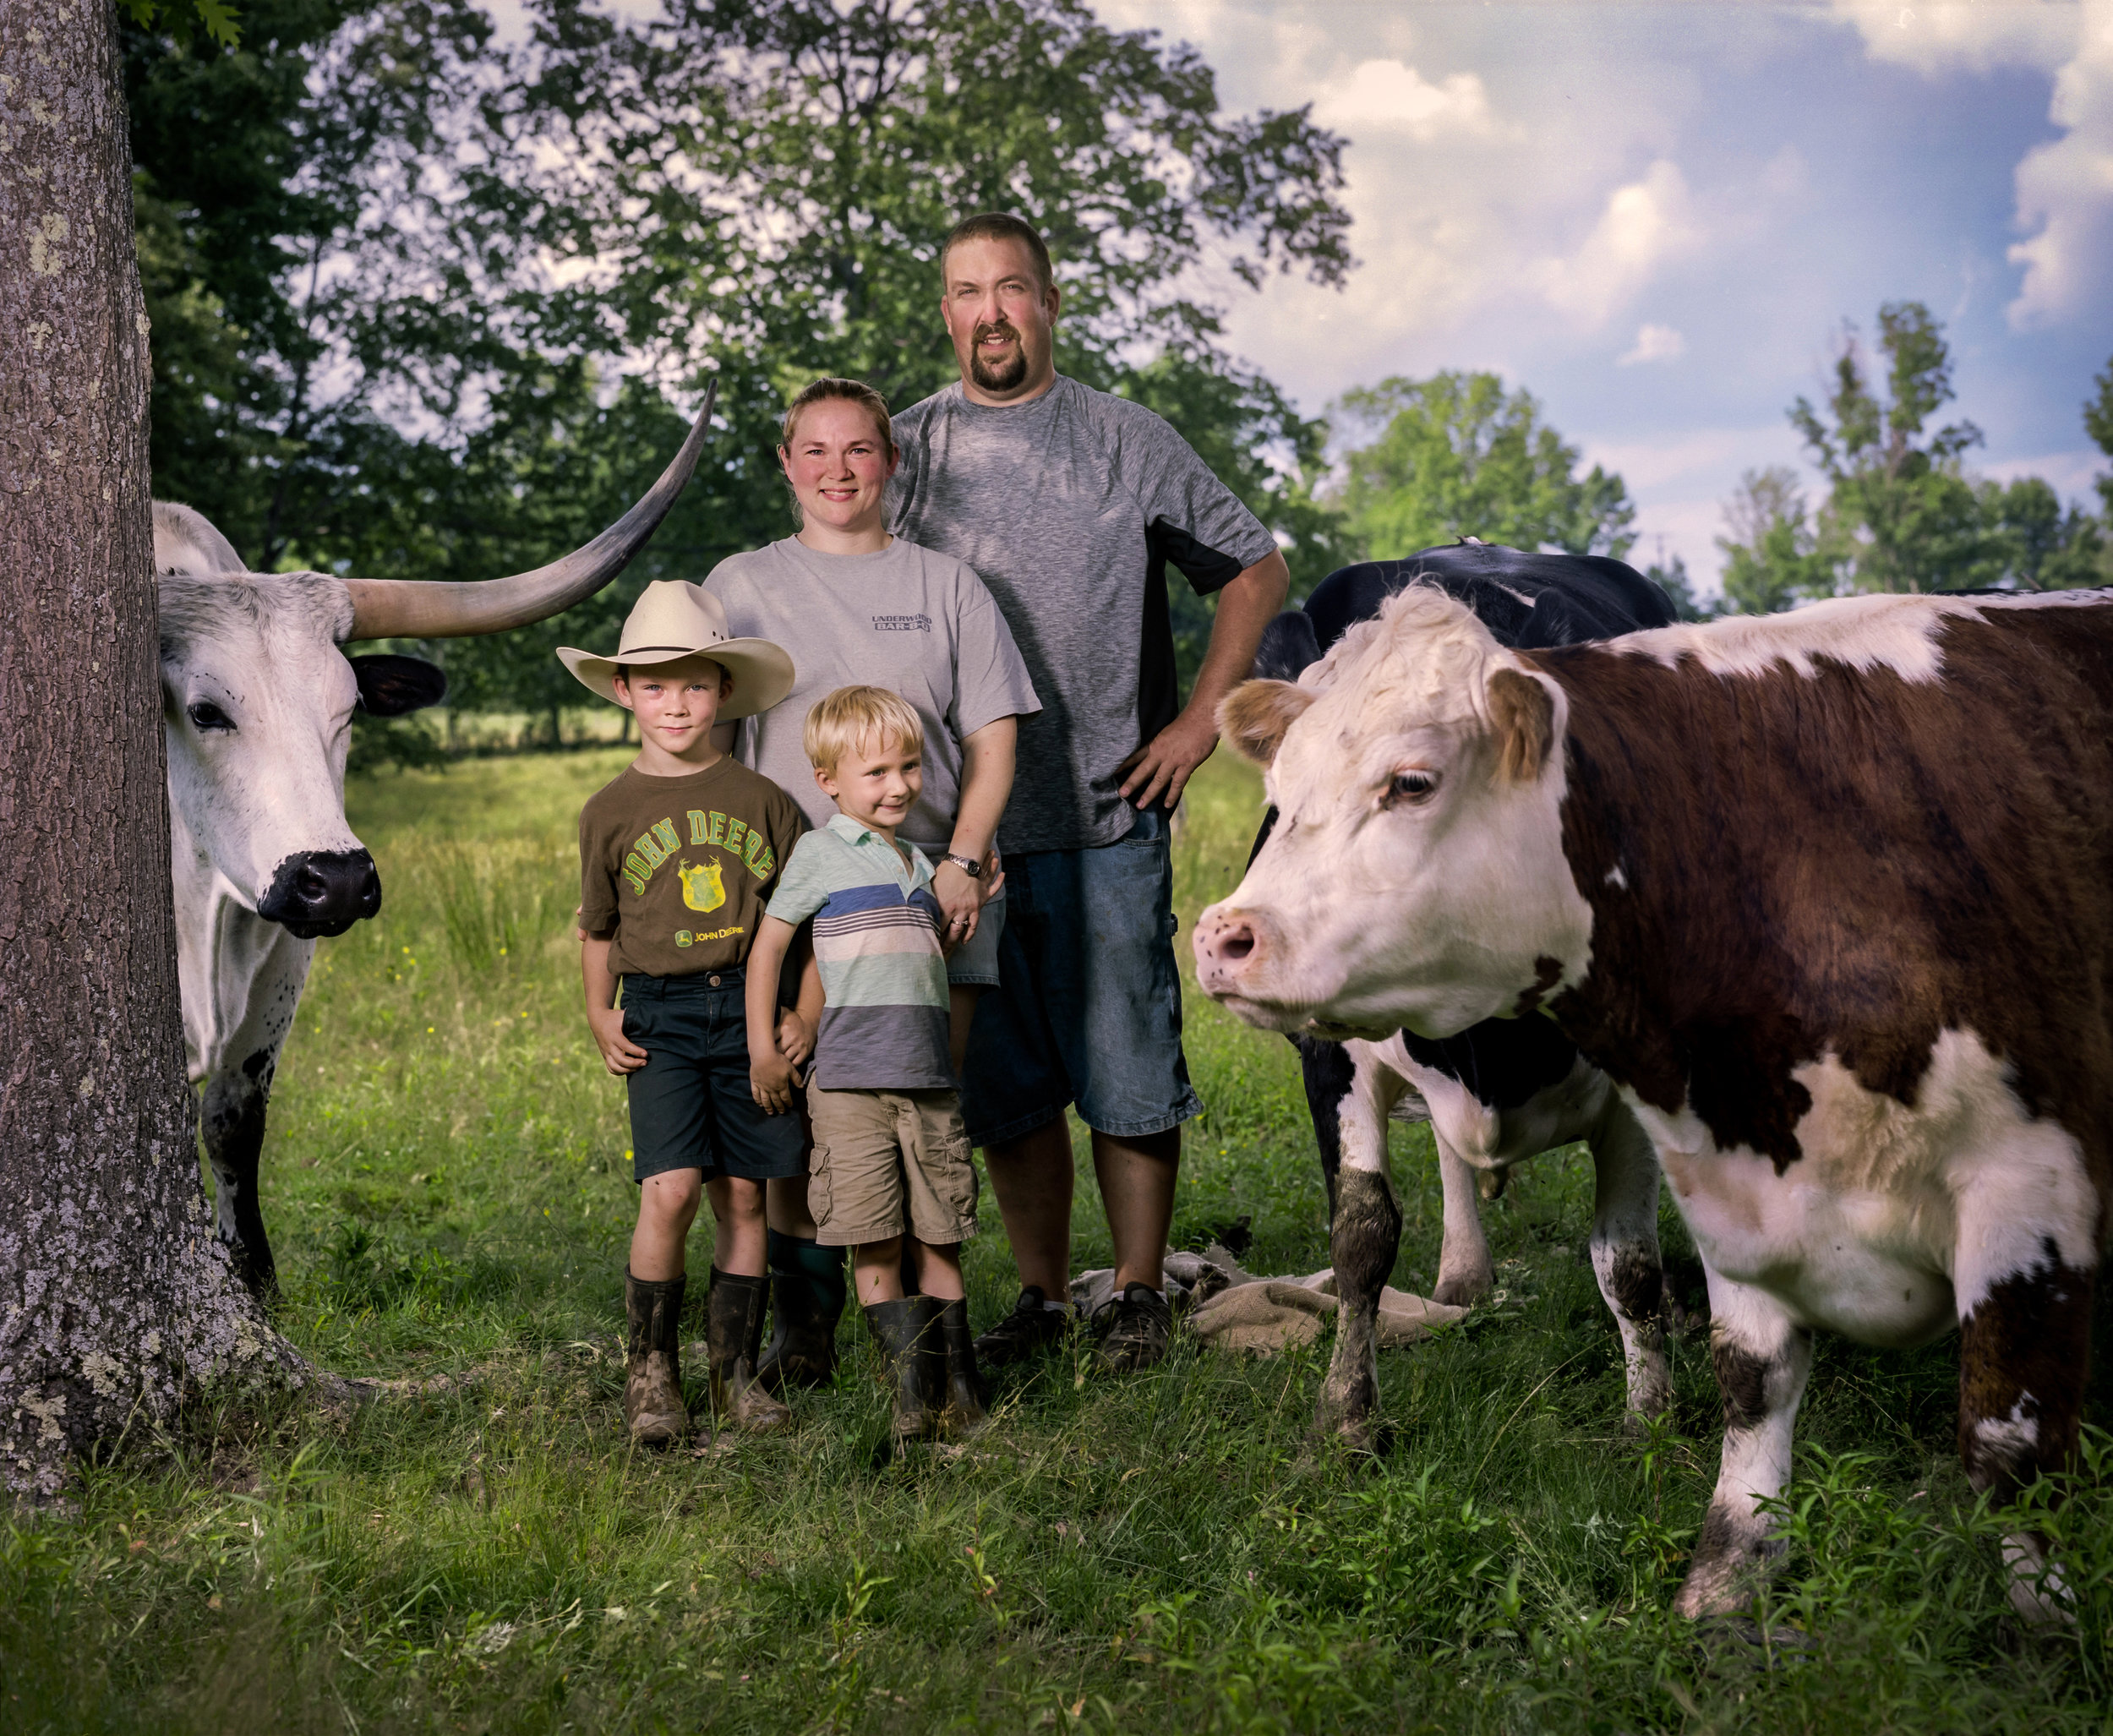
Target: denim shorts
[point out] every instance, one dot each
(974, 962)
(1088, 1009)
(690, 1106)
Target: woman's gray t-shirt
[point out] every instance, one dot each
(909, 619)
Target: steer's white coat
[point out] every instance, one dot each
(1897, 1219)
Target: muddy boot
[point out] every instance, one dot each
(806, 1286)
(733, 1328)
(913, 1362)
(963, 1412)
(653, 1409)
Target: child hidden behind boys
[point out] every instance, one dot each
(891, 1155)
(676, 858)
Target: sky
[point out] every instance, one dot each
(1656, 218)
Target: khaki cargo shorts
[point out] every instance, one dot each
(878, 1153)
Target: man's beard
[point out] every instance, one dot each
(997, 376)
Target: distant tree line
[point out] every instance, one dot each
(423, 305)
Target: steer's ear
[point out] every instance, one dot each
(1254, 716)
(1523, 717)
(390, 686)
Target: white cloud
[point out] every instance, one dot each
(2064, 188)
(1937, 39)
(2073, 475)
(1386, 95)
(1654, 343)
(1645, 225)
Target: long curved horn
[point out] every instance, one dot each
(440, 609)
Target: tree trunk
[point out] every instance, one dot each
(115, 1297)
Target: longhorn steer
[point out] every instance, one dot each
(1504, 1090)
(1829, 895)
(257, 704)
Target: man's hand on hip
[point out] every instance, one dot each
(1159, 771)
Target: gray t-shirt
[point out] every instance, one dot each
(908, 618)
(1070, 506)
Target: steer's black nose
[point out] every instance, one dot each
(322, 893)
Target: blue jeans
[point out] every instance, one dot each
(1088, 1008)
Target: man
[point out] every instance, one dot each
(1069, 504)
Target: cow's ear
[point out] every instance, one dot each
(1523, 715)
(1254, 716)
(390, 686)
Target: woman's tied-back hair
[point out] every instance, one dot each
(840, 722)
(852, 391)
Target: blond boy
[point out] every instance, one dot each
(891, 1155)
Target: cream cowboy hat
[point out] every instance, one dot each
(675, 618)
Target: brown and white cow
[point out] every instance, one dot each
(1829, 895)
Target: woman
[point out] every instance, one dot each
(855, 605)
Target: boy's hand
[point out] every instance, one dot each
(795, 1042)
(619, 1055)
(771, 1083)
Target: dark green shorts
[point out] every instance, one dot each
(690, 1107)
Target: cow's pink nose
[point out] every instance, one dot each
(1223, 943)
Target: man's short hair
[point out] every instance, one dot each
(839, 722)
(999, 226)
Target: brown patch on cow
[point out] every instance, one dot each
(1849, 861)
(2023, 1353)
(1743, 1378)
(1635, 1283)
(1254, 716)
(1547, 973)
(1523, 718)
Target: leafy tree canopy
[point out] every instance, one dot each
(439, 315)
(1902, 512)
(1456, 456)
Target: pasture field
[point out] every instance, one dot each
(446, 1186)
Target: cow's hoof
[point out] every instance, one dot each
(1348, 1420)
(1461, 1292)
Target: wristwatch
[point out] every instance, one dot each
(968, 864)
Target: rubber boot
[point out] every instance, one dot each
(913, 1362)
(654, 1408)
(733, 1328)
(963, 1413)
(806, 1285)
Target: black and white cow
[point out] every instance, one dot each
(1504, 1090)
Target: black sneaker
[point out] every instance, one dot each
(1133, 1328)
(1029, 1328)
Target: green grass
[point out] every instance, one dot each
(446, 1185)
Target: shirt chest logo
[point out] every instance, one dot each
(902, 624)
(653, 846)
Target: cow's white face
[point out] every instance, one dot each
(257, 704)
(1415, 874)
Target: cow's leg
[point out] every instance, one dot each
(1625, 1253)
(1364, 1240)
(233, 1120)
(1330, 1074)
(1763, 1358)
(2023, 1347)
(1465, 1273)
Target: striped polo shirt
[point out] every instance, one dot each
(876, 939)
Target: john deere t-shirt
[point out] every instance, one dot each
(1070, 507)
(674, 871)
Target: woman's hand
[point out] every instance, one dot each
(619, 1055)
(962, 898)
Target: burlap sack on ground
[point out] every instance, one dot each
(1233, 1309)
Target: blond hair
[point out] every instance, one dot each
(839, 722)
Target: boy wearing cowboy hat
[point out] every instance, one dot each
(677, 856)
